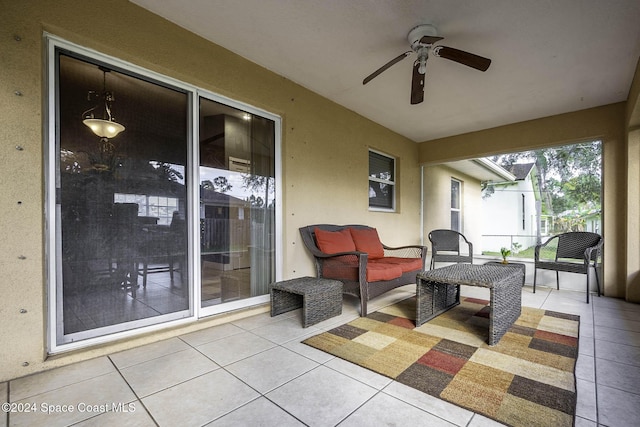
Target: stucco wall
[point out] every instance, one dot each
(632, 272)
(605, 123)
(324, 153)
(437, 203)
(632, 245)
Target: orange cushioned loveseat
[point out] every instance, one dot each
(355, 255)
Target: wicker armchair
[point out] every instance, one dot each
(575, 252)
(445, 247)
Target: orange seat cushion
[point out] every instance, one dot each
(367, 240)
(348, 270)
(333, 242)
(377, 272)
(406, 264)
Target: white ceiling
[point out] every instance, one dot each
(549, 56)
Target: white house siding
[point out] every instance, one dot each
(502, 216)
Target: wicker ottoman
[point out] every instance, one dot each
(434, 293)
(320, 299)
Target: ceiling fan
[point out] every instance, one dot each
(421, 40)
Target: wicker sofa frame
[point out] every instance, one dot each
(361, 289)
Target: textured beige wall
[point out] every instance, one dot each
(325, 157)
(437, 200)
(604, 123)
(633, 190)
(437, 196)
(326, 182)
(633, 101)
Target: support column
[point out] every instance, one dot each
(633, 213)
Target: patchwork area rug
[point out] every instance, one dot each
(527, 379)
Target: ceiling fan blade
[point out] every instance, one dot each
(417, 85)
(386, 66)
(462, 57)
(430, 39)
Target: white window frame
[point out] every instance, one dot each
(391, 183)
(459, 208)
(144, 208)
(523, 212)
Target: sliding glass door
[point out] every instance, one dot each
(237, 203)
(122, 199)
(161, 199)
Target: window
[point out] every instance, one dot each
(523, 213)
(381, 181)
(456, 187)
(544, 226)
(158, 209)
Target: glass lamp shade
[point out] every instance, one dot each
(104, 128)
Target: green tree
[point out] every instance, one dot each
(569, 177)
(577, 191)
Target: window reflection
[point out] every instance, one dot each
(237, 203)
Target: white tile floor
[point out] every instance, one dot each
(255, 372)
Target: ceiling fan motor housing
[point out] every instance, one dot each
(418, 32)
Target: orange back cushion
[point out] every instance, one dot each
(333, 242)
(367, 240)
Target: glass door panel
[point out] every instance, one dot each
(121, 201)
(237, 203)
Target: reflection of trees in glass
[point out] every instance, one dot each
(260, 186)
(379, 190)
(84, 161)
(166, 171)
(69, 162)
(220, 184)
(103, 158)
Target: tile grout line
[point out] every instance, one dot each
(358, 407)
(595, 363)
(138, 398)
(548, 298)
(264, 395)
(382, 390)
(260, 394)
(7, 396)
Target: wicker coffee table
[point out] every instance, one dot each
(510, 265)
(320, 299)
(439, 290)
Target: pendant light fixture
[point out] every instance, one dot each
(104, 126)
